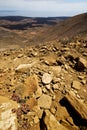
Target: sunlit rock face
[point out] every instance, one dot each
(8, 119)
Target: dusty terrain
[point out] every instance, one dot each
(48, 85)
(43, 78)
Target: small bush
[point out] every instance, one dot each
(65, 40)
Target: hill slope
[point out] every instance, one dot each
(26, 31)
(71, 27)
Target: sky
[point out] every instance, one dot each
(42, 8)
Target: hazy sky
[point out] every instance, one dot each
(42, 7)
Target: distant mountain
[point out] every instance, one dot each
(19, 18)
(23, 23)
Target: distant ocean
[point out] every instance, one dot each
(20, 13)
(7, 12)
(29, 13)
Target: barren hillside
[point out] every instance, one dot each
(43, 86)
(27, 31)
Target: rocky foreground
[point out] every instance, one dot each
(44, 87)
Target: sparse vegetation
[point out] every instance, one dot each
(65, 40)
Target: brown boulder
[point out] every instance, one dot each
(45, 101)
(31, 85)
(51, 122)
(81, 64)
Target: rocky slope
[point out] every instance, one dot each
(44, 87)
(71, 27)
